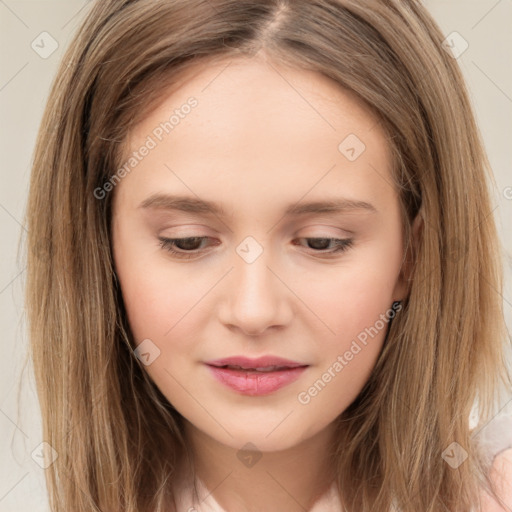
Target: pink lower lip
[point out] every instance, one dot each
(256, 383)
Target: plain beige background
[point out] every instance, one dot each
(25, 76)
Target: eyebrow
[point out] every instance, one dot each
(202, 206)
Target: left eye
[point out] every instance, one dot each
(190, 246)
(319, 244)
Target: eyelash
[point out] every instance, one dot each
(342, 244)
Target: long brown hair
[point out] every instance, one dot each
(120, 444)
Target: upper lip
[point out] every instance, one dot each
(259, 362)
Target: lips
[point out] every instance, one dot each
(256, 377)
(257, 369)
(260, 364)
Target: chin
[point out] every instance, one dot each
(261, 439)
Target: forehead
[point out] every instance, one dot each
(232, 92)
(262, 126)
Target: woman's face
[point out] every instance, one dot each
(279, 184)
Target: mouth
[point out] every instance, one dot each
(255, 379)
(264, 369)
(260, 364)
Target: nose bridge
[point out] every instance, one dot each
(256, 299)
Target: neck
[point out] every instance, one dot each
(250, 481)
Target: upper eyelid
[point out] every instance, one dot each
(346, 240)
(347, 233)
(202, 237)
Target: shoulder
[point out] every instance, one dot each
(501, 475)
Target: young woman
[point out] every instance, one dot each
(263, 269)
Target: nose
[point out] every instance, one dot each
(257, 298)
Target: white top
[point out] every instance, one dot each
(496, 439)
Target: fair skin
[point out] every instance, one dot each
(263, 137)
(501, 475)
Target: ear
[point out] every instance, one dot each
(403, 283)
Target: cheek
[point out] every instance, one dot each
(165, 307)
(354, 300)
(158, 297)
(353, 295)
(357, 312)
(159, 304)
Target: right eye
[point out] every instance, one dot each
(187, 247)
